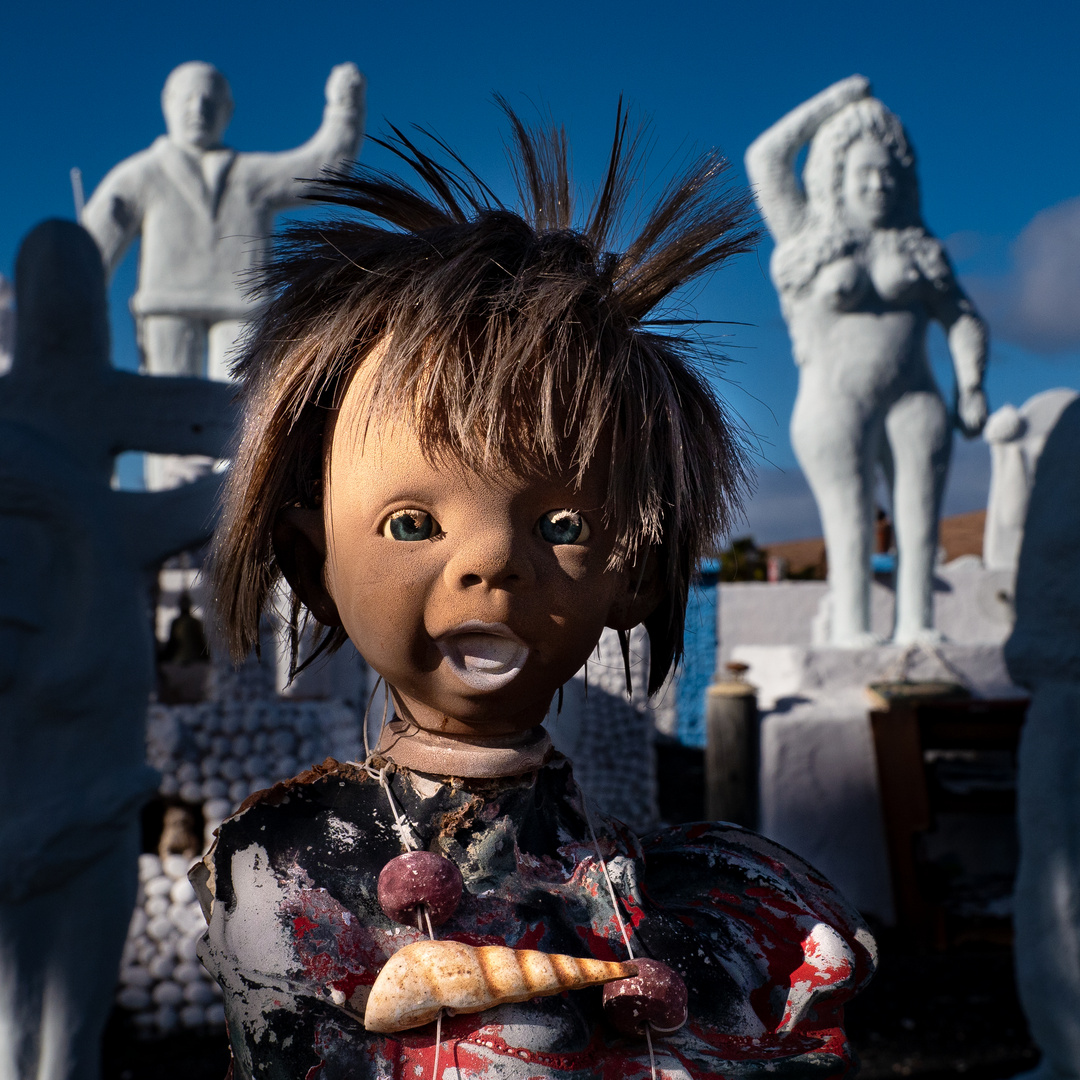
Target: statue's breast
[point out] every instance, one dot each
(896, 277)
(842, 284)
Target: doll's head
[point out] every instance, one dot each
(465, 447)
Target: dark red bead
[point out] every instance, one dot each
(420, 878)
(656, 995)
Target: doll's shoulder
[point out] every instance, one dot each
(763, 939)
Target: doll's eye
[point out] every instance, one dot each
(409, 525)
(563, 527)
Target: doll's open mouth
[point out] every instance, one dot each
(484, 656)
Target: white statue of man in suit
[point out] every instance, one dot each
(205, 215)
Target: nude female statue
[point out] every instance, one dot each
(859, 279)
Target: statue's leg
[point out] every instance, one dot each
(835, 443)
(173, 345)
(87, 933)
(1047, 895)
(917, 427)
(223, 338)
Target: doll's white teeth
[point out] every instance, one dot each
(483, 660)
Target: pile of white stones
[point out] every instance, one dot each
(211, 756)
(161, 980)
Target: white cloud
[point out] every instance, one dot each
(1037, 304)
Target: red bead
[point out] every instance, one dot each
(420, 878)
(656, 995)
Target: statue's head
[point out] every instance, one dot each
(197, 104)
(860, 170)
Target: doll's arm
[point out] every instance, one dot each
(770, 158)
(275, 176)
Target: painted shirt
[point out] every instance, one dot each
(768, 949)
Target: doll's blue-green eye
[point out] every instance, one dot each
(409, 525)
(563, 527)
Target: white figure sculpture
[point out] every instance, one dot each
(1043, 654)
(76, 650)
(1016, 438)
(205, 215)
(859, 279)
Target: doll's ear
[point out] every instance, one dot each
(643, 589)
(300, 550)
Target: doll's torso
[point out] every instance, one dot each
(297, 933)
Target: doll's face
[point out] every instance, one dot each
(475, 597)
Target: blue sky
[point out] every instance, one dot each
(990, 94)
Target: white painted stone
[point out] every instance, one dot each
(136, 976)
(149, 866)
(859, 278)
(192, 1016)
(1044, 655)
(161, 967)
(1016, 438)
(199, 993)
(134, 998)
(168, 993)
(189, 973)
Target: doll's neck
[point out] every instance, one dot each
(470, 756)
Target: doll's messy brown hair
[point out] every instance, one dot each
(517, 339)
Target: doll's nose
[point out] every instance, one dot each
(496, 558)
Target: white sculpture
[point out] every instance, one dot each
(1016, 438)
(1043, 654)
(859, 279)
(7, 324)
(205, 215)
(76, 650)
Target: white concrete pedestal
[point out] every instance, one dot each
(819, 789)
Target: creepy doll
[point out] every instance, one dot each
(468, 450)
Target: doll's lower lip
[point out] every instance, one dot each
(484, 656)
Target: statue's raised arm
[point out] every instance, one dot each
(278, 178)
(770, 158)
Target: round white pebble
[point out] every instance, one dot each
(137, 926)
(199, 993)
(169, 786)
(158, 886)
(231, 769)
(188, 972)
(165, 1019)
(191, 791)
(220, 746)
(261, 783)
(219, 807)
(185, 948)
(159, 928)
(134, 998)
(182, 892)
(149, 867)
(211, 766)
(215, 1015)
(239, 790)
(176, 866)
(161, 967)
(136, 976)
(168, 993)
(156, 905)
(192, 1016)
(214, 788)
(188, 771)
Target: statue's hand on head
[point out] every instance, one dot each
(345, 86)
(971, 411)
